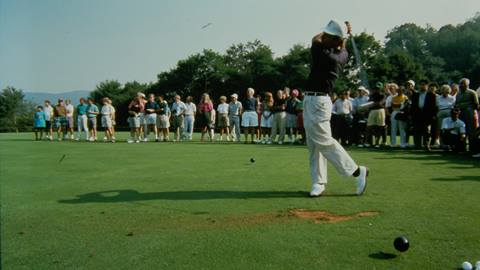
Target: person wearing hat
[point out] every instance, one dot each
(359, 116)
(424, 111)
(223, 121)
(234, 110)
(410, 88)
(329, 56)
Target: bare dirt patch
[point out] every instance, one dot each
(324, 217)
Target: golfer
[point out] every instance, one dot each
(328, 56)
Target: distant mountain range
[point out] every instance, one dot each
(40, 97)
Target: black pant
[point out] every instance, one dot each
(421, 131)
(454, 141)
(342, 128)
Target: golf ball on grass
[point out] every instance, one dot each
(467, 266)
(401, 243)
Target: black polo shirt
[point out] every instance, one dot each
(327, 65)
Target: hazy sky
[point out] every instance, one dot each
(63, 45)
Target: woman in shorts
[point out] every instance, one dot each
(266, 120)
(223, 121)
(107, 112)
(163, 119)
(134, 108)
(249, 115)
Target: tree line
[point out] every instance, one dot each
(409, 52)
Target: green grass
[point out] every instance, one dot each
(204, 206)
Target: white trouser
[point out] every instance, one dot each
(82, 125)
(278, 125)
(321, 145)
(188, 122)
(396, 125)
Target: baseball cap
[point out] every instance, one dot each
(379, 85)
(412, 82)
(234, 95)
(334, 28)
(362, 88)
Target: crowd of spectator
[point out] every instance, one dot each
(431, 116)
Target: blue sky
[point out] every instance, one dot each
(63, 45)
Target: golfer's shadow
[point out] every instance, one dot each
(129, 195)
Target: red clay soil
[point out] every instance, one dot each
(324, 217)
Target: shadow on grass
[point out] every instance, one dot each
(382, 256)
(129, 195)
(458, 178)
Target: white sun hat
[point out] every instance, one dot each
(335, 28)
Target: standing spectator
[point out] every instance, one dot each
(455, 89)
(342, 109)
(234, 110)
(141, 115)
(467, 102)
(434, 136)
(258, 129)
(376, 117)
(423, 110)
(189, 118)
(266, 121)
(300, 127)
(70, 125)
(151, 108)
(453, 132)
(107, 111)
(207, 117)
(223, 121)
(398, 118)
(48, 110)
(92, 112)
(360, 116)
(39, 123)
(410, 89)
(134, 108)
(178, 111)
(249, 115)
(163, 119)
(291, 116)
(279, 118)
(114, 118)
(474, 143)
(60, 113)
(445, 104)
(82, 120)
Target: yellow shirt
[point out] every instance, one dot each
(397, 102)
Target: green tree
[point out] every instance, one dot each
(16, 114)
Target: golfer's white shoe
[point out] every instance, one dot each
(362, 180)
(317, 190)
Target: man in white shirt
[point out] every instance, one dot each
(342, 109)
(189, 120)
(178, 111)
(70, 110)
(48, 110)
(454, 132)
(360, 116)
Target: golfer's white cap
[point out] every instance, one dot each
(335, 28)
(362, 88)
(412, 82)
(234, 95)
